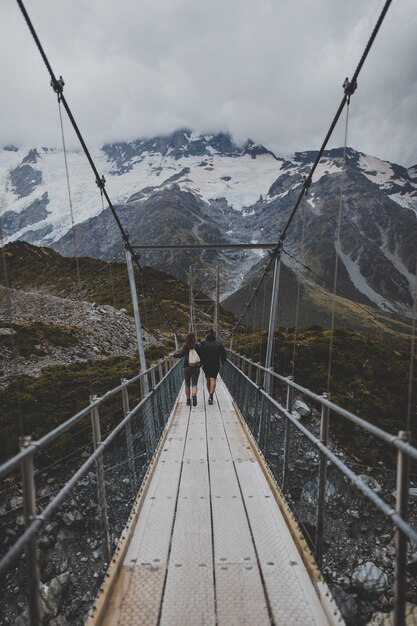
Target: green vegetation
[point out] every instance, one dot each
(34, 406)
(30, 338)
(370, 358)
(29, 267)
(369, 377)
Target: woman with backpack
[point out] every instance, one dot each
(192, 362)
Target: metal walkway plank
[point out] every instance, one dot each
(189, 592)
(292, 596)
(291, 593)
(239, 592)
(137, 597)
(211, 547)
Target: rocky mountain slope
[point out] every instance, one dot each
(49, 317)
(185, 188)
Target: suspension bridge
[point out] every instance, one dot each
(193, 515)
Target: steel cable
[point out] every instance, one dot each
(57, 85)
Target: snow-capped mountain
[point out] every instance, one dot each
(188, 188)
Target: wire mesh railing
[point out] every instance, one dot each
(346, 517)
(68, 520)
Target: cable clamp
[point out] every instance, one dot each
(349, 87)
(307, 183)
(58, 85)
(101, 183)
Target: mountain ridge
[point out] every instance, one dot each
(184, 187)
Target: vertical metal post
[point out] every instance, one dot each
(176, 341)
(153, 377)
(258, 374)
(272, 320)
(403, 470)
(160, 370)
(287, 437)
(138, 326)
(129, 441)
(166, 368)
(216, 304)
(321, 491)
(250, 369)
(101, 484)
(32, 554)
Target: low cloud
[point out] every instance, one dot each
(266, 70)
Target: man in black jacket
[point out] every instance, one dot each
(213, 356)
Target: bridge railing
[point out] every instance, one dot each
(332, 503)
(71, 513)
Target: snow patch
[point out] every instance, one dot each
(361, 284)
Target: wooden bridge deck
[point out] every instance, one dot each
(210, 545)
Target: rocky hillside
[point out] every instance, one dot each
(49, 316)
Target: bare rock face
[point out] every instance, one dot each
(52, 593)
(62, 331)
(370, 578)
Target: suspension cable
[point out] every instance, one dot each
(349, 87)
(338, 250)
(58, 86)
(106, 239)
(74, 232)
(412, 355)
(297, 308)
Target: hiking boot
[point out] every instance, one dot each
(210, 400)
(188, 403)
(194, 400)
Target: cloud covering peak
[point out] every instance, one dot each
(266, 70)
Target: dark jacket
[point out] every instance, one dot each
(184, 352)
(212, 352)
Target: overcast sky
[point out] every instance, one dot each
(271, 70)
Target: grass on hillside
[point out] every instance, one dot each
(34, 406)
(369, 377)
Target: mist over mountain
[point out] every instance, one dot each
(185, 188)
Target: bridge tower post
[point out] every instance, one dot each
(138, 326)
(217, 303)
(272, 320)
(191, 324)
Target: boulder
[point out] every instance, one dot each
(52, 593)
(346, 604)
(370, 578)
(310, 488)
(301, 408)
(371, 482)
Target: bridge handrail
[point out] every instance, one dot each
(34, 526)
(404, 532)
(34, 446)
(346, 471)
(393, 440)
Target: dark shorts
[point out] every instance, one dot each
(191, 374)
(211, 372)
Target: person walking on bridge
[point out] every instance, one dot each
(192, 362)
(213, 357)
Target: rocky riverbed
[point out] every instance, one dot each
(358, 540)
(72, 561)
